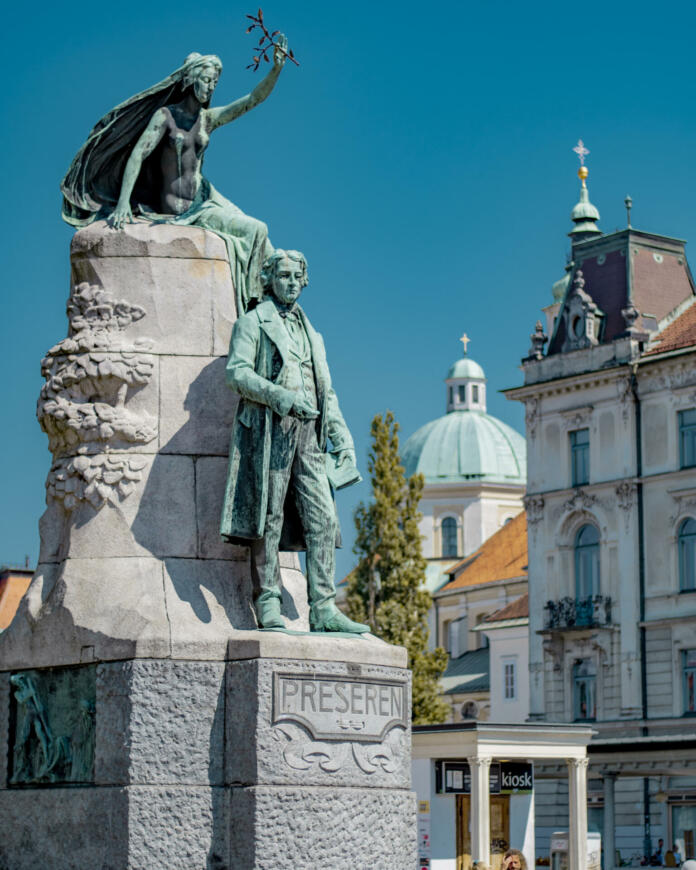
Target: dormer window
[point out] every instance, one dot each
(583, 318)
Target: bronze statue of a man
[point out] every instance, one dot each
(278, 493)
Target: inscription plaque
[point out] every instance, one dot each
(340, 708)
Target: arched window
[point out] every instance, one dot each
(584, 697)
(687, 555)
(587, 562)
(449, 537)
(470, 710)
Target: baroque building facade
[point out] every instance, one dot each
(611, 509)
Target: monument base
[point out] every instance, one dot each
(293, 751)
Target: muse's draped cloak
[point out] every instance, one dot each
(92, 185)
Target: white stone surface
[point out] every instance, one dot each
(211, 476)
(141, 239)
(206, 601)
(157, 519)
(178, 297)
(86, 610)
(197, 407)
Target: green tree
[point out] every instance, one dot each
(387, 588)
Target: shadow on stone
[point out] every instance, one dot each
(178, 515)
(218, 854)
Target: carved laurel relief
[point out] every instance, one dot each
(82, 406)
(94, 479)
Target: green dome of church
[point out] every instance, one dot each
(467, 444)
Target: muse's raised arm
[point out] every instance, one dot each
(225, 114)
(149, 140)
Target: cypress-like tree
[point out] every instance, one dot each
(387, 588)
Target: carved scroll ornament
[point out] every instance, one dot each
(301, 752)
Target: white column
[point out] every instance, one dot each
(577, 813)
(480, 809)
(608, 838)
(529, 844)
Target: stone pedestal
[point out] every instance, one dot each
(144, 721)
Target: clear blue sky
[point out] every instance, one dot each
(420, 156)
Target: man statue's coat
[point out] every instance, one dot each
(259, 349)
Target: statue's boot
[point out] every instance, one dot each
(330, 618)
(268, 614)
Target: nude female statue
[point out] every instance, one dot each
(145, 157)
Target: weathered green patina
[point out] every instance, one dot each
(53, 726)
(145, 157)
(278, 492)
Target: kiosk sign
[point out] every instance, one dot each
(516, 778)
(505, 777)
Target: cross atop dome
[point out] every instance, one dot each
(465, 341)
(581, 151)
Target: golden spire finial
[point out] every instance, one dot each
(465, 341)
(582, 153)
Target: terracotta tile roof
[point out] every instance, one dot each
(502, 557)
(681, 332)
(659, 286)
(517, 609)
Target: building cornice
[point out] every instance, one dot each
(667, 621)
(567, 384)
(598, 485)
(583, 380)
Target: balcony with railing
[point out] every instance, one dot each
(577, 613)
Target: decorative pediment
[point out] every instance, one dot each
(583, 318)
(578, 417)
(580, 500)
(685, 502)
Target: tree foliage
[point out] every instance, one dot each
(387, 588)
